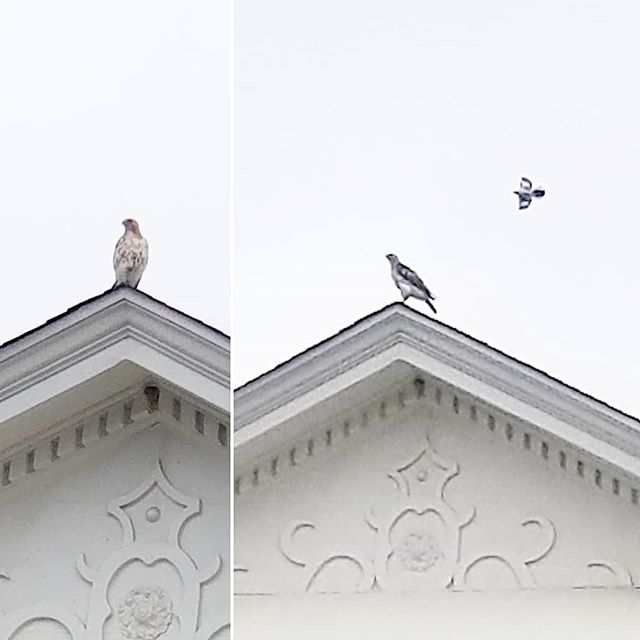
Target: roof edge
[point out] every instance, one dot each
(112, 322)
(297, 361)
(399, 332)
(120, 292)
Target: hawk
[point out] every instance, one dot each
(526, 193)
(130, 256)
(409, 282)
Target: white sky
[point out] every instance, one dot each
(111, 110)
(373, 126)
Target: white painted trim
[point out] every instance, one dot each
(124, 414)
(123, 324)
(398, 333)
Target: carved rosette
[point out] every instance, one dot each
(145, 613)
(417, 551)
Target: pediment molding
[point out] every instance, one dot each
(120, 416)
(400, 334)
(322, 438)
(123, 324)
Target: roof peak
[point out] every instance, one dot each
(398, 334)
(118, 293)
(404, 309)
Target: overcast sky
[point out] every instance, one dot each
(111, 110)
(370, 126)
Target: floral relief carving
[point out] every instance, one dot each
(417, 538)
(145, 613)
(418, 551)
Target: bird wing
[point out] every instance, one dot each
(525, 184)
(538, 193)
(524, 203)
(144, 252)
(412, 277)
(118, 251)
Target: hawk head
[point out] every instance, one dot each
(131, 225)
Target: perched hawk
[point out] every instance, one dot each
(409, 282)
(526, 193)
(130, 256)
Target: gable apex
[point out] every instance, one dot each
(102, 346)
(398, 335)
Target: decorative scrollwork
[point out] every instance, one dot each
(517, 564)
(418, 541)
(601, 574)
(13, 624)
(152, 517)
(417, 532)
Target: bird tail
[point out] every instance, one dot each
(431, 305)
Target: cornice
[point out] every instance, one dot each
(123, 314)
(431, 401)
(400, 333)
(539, 391)
(326, 438)
(119, 416)
(114, 326)
(311, 369)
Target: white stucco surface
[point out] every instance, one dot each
(489, 497)
(409, 482)
(114, 491)
(51, 520)
(557, 615)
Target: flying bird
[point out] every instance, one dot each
(130, 256)
(409, 282)
(526, 193)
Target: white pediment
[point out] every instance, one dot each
(103, 347)
(403, 456)
(114, 468)
(131, 516)
(397, 336)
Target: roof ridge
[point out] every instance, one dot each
(104, 294)
(404, 307)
